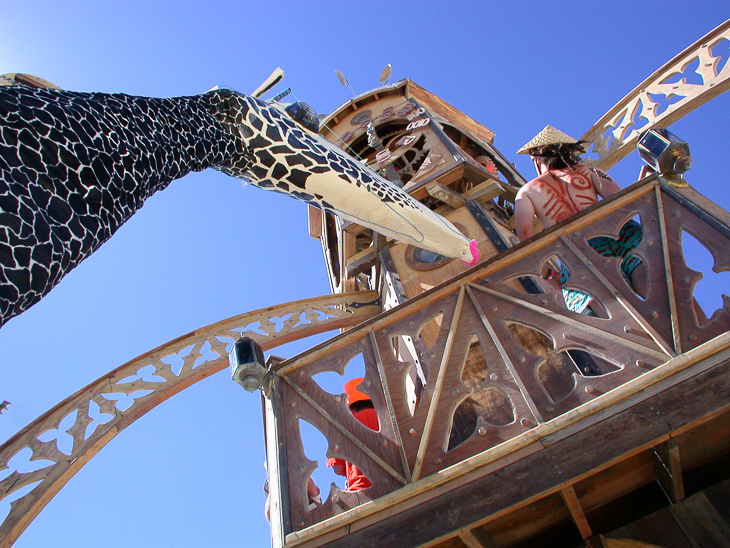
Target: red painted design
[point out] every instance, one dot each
(564, 198)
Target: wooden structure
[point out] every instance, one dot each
(545, 450)
(505, 418)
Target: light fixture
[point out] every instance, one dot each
(247, 364)
(665, 153)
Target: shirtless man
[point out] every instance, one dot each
(564, 187)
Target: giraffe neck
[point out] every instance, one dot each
(75, 166)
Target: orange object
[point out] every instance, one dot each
(352, 393)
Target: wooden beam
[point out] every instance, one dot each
(445, 194)
(445, 111)
(476, 538)
(314, 216)
(571, 501)
(668, 272)
(361, 261)
(347, 248)
(389, 403)
(484, 191)
(668, 468)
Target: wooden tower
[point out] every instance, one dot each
(506, 419)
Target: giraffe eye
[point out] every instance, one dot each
(304, 115)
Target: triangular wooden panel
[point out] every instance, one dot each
(655, 309)
(473, 345)
(331, 417)
(621, 324)
(499, 313)
(680, 219)
(412, 426)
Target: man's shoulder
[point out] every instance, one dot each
(531, 184)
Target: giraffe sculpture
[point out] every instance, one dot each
(75, 166)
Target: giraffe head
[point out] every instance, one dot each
(285, 157)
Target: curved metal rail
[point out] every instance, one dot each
(114, 401)
(663, 98)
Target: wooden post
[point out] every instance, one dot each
(278, 469)
(576, 511)
(389, 402)
(668, 273)
(668, 468)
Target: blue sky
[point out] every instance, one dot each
(190, 472)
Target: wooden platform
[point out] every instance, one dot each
(572, 472)
(510, 440)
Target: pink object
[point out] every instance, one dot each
(474, 249)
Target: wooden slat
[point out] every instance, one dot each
(484, 191)
(361, 261)
(700, 521)
(661, 529)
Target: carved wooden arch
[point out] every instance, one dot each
(616, 133)
(128, 392)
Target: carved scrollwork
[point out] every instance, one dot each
(101, 410)
(692, 78)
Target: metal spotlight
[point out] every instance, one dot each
(666, 153)
(247, 364)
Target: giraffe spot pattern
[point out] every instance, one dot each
(75, 166)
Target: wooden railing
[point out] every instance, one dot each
(498, 360)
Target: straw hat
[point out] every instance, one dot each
(352, 393)
(548, 136)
